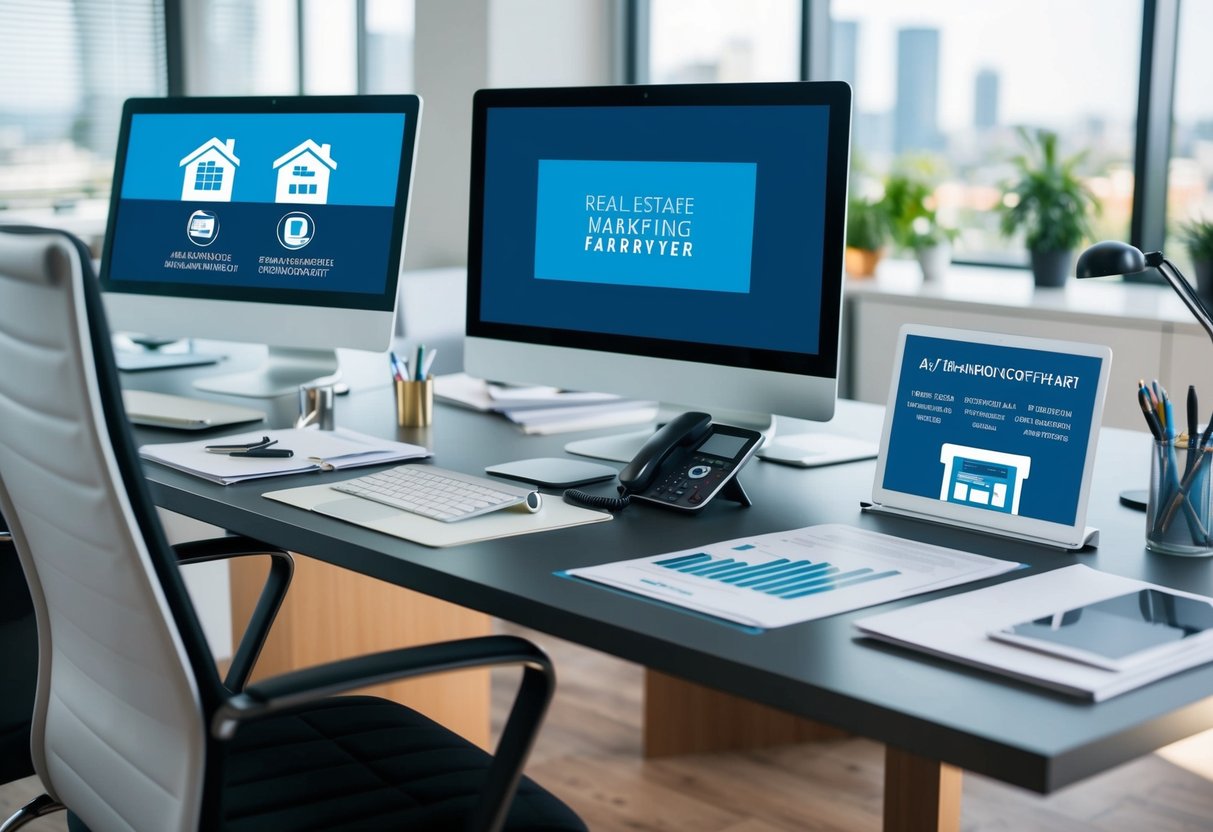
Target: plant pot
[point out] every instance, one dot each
(861, 262)
(934, 261)
(1204, 281)
(1051, 269)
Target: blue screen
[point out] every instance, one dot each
(299, 201)
(991, 427)
(689, 223)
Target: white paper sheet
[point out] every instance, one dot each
(787, 577)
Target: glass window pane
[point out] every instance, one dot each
(693, 41)
(944, 83)
(67, 67)
(1189, 195)
(242, 47)
(330, 47)
(389, 46)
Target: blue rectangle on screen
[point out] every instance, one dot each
(673, 225)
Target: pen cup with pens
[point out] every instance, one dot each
(1179, 502)
(414, 387)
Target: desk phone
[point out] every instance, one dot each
(689, 461)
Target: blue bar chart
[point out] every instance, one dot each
(782, 577)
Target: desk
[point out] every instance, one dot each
(936, 717)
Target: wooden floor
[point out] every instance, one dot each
(589, 754)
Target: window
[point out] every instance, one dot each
(693, 41)
(208, 177)
(301, 170)
(67, 67)
(241, 47)
(1190, 173)
(942, 84)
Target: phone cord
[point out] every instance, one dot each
(577, 497)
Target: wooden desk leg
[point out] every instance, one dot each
(681, 717)
(332, 613)
(920, 795)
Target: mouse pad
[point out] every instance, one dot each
(555, 514)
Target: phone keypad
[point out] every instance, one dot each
(694, 481)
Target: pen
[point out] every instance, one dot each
(395, 364)
(420, 362)
(1193, 418)
(1147, 409)
(1169, 426)
(1157, 399)
(429, 362)
(278, 453)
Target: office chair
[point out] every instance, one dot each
(133, 729)
(19, 665)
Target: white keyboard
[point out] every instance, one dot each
(435, 492)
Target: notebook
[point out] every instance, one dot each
(993, 432)
(162, 410)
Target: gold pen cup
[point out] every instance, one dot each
(415, 403)
(1180, 499)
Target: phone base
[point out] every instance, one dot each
(733, 490)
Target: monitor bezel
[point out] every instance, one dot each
(836, 95)
(408, 105)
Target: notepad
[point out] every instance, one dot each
(315, 450)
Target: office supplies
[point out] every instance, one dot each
(315, 450)
(579, 272)
(414, 402)
(958, 628)
(229, 448)
(543, 410)
(1179, 501)
(1148, 410)
(509, 522)
(268, 220)
(316, 406)
(782, 578)
(163, 410)
(993, 432)
(1193, 427)
(443, 495)
(1118, 633)
(553, 472)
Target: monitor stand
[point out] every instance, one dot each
(285, 370)
(790, 441)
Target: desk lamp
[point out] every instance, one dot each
(1112, 257)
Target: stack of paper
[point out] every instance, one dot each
(959, 627)
(543, 410)
(314, 450)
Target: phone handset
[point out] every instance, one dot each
(683, 430)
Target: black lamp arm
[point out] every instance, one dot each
(1182, 288)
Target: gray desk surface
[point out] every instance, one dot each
(820, 670)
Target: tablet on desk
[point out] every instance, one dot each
(993, 432)
(1119, 633)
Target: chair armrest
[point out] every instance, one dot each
(5, 536)
(282, 566)
(530, 704)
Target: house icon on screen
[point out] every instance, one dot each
(210, 170)
(303, 173)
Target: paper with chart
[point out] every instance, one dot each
(783, 578)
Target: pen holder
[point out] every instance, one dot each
(1179, 500)
(415, 403)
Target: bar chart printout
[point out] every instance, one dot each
(787, 577)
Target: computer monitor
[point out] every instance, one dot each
(272, 220)
(677, 243)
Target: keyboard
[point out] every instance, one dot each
(437, 493)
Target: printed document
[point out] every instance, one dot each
(783, 578)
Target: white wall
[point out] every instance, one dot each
(465, 45)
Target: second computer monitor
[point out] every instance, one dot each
(272, 220)
(680, 243)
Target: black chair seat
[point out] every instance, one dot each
(18, 667)
(362, 763)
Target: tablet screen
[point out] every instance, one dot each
(996, 429)
(1122, 627)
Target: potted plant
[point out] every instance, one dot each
(867, 231)
(1197, 235)
(914, 225)
(1050, 205)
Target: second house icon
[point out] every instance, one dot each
(303, 173)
